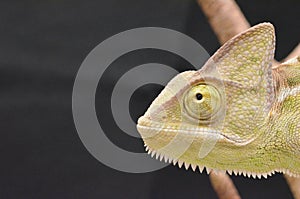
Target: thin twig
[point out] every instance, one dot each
(294, 184)
(223, 186)
(294, 53)
(225, 18)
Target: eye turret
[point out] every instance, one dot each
(202, 101)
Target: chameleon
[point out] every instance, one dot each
(237, 114)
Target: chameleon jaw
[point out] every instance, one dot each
(180, 163)
(154, 134)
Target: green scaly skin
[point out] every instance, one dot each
(246, 119)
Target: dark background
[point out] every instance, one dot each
(42, 46)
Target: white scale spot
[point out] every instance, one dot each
(288, 92)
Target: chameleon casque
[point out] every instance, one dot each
(237, 114)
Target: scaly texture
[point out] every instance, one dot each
(236, 114)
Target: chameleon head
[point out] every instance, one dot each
(201, 117)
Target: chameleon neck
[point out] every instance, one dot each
(282, 131)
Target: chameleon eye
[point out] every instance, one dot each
(202, 101)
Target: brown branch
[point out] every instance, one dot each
(227, 20)
(294, 184)
(223, 186)
(294, 53)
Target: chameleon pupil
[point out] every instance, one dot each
(199, 96)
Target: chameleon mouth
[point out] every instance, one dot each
(148, 128)
(148, 131)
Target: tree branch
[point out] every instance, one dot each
(225, 18)
(223, 186)
(294, 184)
(294, 53)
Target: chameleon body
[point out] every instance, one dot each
(237, 114)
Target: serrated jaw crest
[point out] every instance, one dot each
(180, 163)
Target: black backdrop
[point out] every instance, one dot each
(42, 46)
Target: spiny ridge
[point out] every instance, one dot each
(180, 163)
